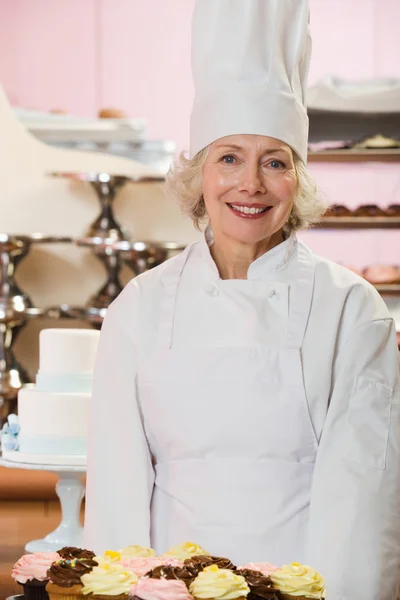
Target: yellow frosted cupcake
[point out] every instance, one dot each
(136, 552)
(108, 582)
(109, 556)
(185, 550)
(219, 584)
(299, 582)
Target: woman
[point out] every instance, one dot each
(246, 392)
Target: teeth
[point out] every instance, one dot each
(247, 210)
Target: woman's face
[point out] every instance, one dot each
(249, 186)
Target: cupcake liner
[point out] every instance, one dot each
(35, 590)
(56, 592)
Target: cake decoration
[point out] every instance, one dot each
(133, 551)
(198, 563)
(263, 567)
(108, 580)
(299, 581)
(219, 584)
(159, 589)
(261, 586)
(185, 550)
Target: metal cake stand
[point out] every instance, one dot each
(70, 490)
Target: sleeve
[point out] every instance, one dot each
(354, 525)
(120, 475)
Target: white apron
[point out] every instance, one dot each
(231, 435)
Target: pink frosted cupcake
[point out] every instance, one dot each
(159, 589)
(31, 572)
(262, 567)
(140, 566)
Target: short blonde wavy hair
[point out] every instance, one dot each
(184, 181)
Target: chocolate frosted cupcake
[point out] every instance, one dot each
(199, 563)
(71, 552)
(261, 587)
(186, 573)
(65, 578)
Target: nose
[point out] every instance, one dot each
(251, 181)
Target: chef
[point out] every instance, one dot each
(246, 393)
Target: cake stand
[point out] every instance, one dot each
(70, 490)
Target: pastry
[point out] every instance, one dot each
(219, 584)
(65, 578)
(142, 565)
(71, 552)
(262, 567)
(109, 582)
(377, 142)
(338, 210)
(185, 550)
(393, 210)
(261, 586)
(31, 572)
(369, 210)
(159, 589)
(184, 573)
(198, 563)
(298, 582)
(134, 551)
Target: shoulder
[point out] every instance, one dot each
(340, 290)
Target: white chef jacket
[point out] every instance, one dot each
(351, 378)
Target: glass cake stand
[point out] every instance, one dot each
(70, 490)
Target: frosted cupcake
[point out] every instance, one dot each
(136, 551)
(108, 582)
(184, 551)
(31, 572)
(299, 582)
(219, 584)
(71, 552)
(262, 567)
(159, 589)
(261, 586)
(141, 566)
(65, 578)
(198, 563)
(109, 556)
(169, 572)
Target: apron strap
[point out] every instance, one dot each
(170, 282)
(301, 294)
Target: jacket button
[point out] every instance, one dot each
(271, 293)
(212, 289)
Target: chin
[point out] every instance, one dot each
(249, 233)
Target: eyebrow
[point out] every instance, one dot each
(235, 147)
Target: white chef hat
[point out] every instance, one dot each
(250, 61)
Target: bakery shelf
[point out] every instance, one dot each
(348, 155)
(388, 289)
(359, 223)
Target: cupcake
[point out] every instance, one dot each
(264, 568)
(199, 563)
(184, 574)
(159, 589)
(219, 584)
(65, 577)
(71, 552)
(299, 582)
(184, 551)
(261, 586)
(31, 572)
(140, 566)
(108, 582)
(109, 556)
(134, 551)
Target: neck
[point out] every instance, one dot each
(233, 258)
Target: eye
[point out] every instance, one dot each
(228, 159)
(276, 164)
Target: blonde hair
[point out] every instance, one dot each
(184, 183)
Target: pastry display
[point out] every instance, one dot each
(137, 572)
(338, 210)
(377, 142)
(364, 210)
(53, 416)
(111, 113)
(369, 210)
(393, 210)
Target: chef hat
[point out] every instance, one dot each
(250, 61)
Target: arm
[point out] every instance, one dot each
(354, 527)
(120, 475)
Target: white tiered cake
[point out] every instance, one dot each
(53, 415)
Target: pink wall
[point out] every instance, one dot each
(82, 55)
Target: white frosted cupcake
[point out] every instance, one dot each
(299, 582)
(136, 552)
(184, 551)
(219, 584)
(108, 582)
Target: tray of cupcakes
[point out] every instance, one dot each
(184, 572)
(369, 216)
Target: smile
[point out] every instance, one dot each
(248, 211)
